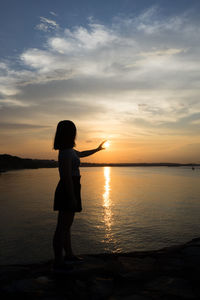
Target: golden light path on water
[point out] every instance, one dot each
(107, 205)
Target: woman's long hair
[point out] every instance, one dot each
(65, 135)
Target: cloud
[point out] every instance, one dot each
(11, 103)
(47, 24)
(20, 126)
(53, 13)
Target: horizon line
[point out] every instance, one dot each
(137, 163)
(113, 163)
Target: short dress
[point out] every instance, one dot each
(62, 199)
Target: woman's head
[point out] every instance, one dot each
(65, 135)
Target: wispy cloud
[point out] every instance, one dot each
(20, 126)
(47, 24)
(53, 13)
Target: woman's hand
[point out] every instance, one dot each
(101, 146)
(90, 152)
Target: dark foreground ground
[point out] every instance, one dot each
(169, 273)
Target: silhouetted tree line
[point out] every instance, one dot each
(9, 162)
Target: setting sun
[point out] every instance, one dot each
(107, 144)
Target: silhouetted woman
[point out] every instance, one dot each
(67, 199)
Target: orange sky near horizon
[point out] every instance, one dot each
(122, 149)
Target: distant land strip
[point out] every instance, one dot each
(9, 162)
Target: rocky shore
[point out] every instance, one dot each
(168, 273)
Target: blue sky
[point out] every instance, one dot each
(123, 70)
(19, 18)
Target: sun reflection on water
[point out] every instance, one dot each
(106, 198)
(107, 205)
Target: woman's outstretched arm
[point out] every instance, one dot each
(90, 152)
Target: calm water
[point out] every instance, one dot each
(124, 209)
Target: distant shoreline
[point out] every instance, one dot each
(9, 163)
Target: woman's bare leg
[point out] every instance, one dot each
(67, 243)
(62, 238)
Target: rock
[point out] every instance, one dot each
(130, 297)
(172, 286)
(101, 288)
(12, 272)
(43, 280)
(125, 288)
(23, 286)
(113, 267)
(191, 257)
(192, 262)
(191, 251)
(137, 268)
(194, 242)
(80, 284)
(166, 264)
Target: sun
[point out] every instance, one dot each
(106, 144)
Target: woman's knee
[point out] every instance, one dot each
(65, 220)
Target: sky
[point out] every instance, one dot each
(126, 71)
